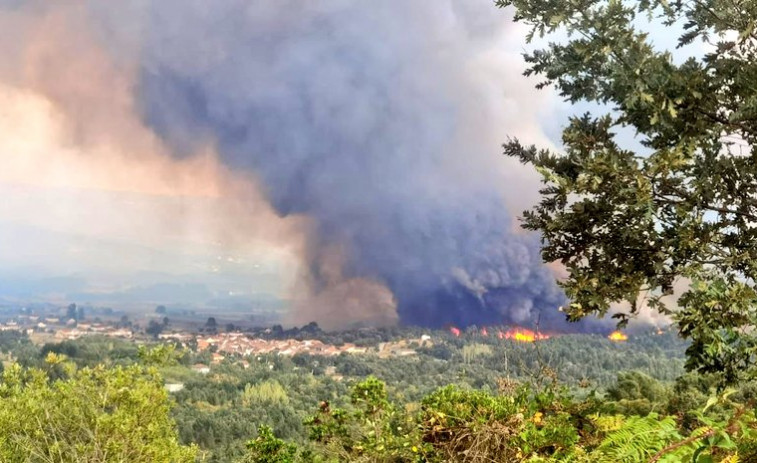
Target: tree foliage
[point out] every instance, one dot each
(528, 425)
(630, 223)
(222, 410)
(95, 414)
(422, 409)
(267, 448)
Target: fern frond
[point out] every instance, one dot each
(637, 439)
(731, 459)
(608, 423)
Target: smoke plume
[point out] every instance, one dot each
(380, 121)
(376, 125)
(88, 187)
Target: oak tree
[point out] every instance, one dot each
(675, 207)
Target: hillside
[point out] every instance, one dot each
(222, 409)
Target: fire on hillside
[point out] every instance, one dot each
(514, 334)
(525, 335)
(617, 336)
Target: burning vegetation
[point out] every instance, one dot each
(525, 335)
(617, 336)
(515, 334)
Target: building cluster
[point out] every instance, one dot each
(241, 344)
(63, 329)
(221, 344)
(87, 329)
(236, 343)
(66, 331)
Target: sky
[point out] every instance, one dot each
(341, 156)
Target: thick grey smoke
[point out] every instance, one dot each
(92, 195)
(377, 121)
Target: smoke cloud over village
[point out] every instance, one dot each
(359, 142)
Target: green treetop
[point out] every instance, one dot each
(98, 414)
(629, 222)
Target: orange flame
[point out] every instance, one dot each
(524, 335)
(484, 332)
(617, 336)
(455, 331)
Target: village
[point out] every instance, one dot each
(222, 345)
(229, 342)
(242, 344)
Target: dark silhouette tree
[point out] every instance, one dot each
(71, 312)
(154, 328)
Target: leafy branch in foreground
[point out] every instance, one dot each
(267, 448)
(633, 223)
(527, 425)
(96, 414)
